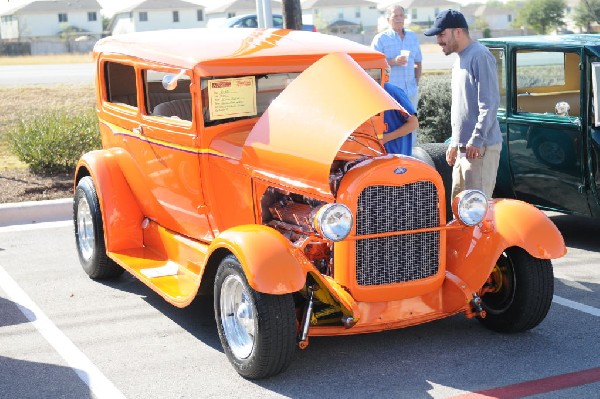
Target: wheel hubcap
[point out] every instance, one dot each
(237, 317)
(85, 229)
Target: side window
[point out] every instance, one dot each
(120, 84)
(596, 92)
(498, 54)
(175, 104)
(547, 82)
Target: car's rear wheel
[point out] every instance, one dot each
(89, 233)
(257, 331)
(518, 293)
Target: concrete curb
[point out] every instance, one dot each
(36, 212)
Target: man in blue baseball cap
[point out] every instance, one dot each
(474, 150)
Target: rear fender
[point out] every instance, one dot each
(121, 214)
(472, 252)
(271, 263)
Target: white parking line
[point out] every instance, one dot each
(98, 384)
(35, 226)
(576, 305)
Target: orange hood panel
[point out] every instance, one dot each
(305, 126)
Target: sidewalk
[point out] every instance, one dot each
(36, 212)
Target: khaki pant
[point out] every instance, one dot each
(476, 174)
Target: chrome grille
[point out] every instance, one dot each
(399, 258)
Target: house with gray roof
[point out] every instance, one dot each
(341, 16)
(233, 8)
(150, 15)
(420, 14)
(53, 26)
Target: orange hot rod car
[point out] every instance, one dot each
(246, 164)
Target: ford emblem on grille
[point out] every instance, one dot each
(400, 171)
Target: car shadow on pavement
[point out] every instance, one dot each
(198, 318)
(578, 231)
(25, 379)
(11, 315)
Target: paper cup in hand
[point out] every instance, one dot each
(404, 53)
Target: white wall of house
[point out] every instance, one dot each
(499, 21)
(367, 16)
(157, 19)
(422, 14)
(47, 24)
(9, 27)
(216, 19)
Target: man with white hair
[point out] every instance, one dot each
(403, 53)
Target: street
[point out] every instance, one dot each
(65, 335)
(17, 75)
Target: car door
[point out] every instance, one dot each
(543, 129)
(166, 146)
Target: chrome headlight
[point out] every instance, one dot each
(333, 221)
(470, 207)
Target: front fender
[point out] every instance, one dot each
(521, 224)
(121, 214)
(472, 252)
(271, 263)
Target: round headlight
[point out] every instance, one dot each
(333, 221)
(470, 207)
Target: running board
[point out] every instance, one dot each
(169, 264)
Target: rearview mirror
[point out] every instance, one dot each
(169, 82)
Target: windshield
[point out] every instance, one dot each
(225, 99)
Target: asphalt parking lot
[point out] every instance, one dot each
(64, 335)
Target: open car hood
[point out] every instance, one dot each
(299, 135)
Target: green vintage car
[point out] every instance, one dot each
(549, 119)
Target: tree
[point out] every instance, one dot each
(292, 14)
(542, 15)
(586, 12)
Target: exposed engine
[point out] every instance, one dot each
(292, 215)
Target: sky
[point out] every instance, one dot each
(111, 5)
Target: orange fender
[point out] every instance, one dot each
(472, 252)
(526, 226)
(271, 263)
(121, 214)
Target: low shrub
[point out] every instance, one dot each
(53, 141)
(434, 108)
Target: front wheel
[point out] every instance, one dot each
(518, 293)
(257, 331)
(89, 233)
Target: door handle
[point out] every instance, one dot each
(138, 130)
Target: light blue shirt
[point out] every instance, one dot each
(390, 43)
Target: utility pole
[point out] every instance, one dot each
(292, 14)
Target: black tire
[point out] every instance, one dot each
(524, 290)
(89, 233)
(257, 331)
(434, 154)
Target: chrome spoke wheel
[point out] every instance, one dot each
(238, 317)
(85, 229)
